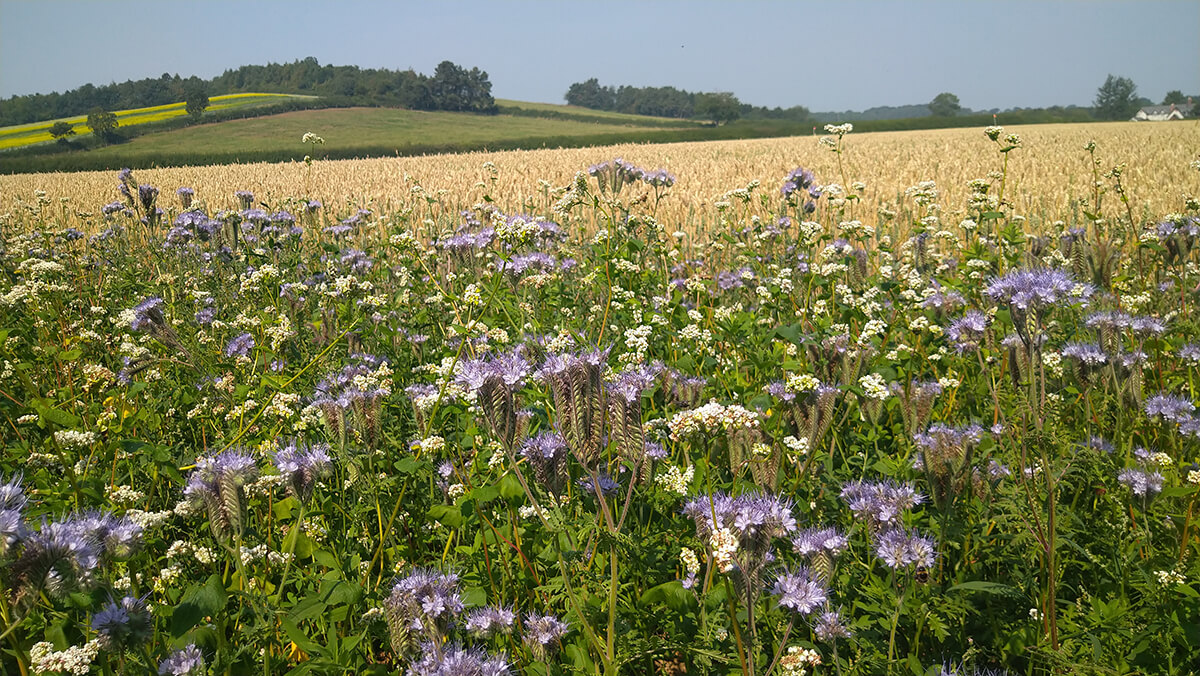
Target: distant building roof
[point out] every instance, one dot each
(1173, 111)
(1185, 108)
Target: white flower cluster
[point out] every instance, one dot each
(1161, 459)
(874, 386)
(281, 331)
(281, 405)
(74, 439)
(515, 231)
(472, 296)
(694, 332)
(250, 283)
(710, 418)
(873, 328)
(638, 341)
(241, 410)
(124, 494)
(797, 660)
(674, 480)
(1169, 578)
(43, 658)
(251, 554)
(431, 444)
(798, 446)
(724, 545)
(691, 564)
(801, 382)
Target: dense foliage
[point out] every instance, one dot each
(666, 102)
(451, 87)
(562, 436)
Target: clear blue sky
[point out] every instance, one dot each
(826, 55)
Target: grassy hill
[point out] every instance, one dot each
(366, 132)
(23, 135)
(558, 111)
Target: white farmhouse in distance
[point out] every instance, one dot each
(1180, 111)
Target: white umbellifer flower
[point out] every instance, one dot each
(1168, 578)
(711, 417)
(74, 439)
(75, 660)
(674, 480)
(124, 494)
(1161, 459)
(874, 386)
(691, 564)
(799, 446)
(801, 382)
(431, 444)
(724, 545)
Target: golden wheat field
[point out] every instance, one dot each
(1045, 177)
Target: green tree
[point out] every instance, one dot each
(718, 107)
(945, 105)
(61, 130)
(1116, 99)
(591, 94)
(195, 96)
(1174, 96)
(102, 123)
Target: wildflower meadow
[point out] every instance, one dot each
(593, 426)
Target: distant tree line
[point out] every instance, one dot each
(671, 102)
(451, 87)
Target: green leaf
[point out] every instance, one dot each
(340, 592)
(484, 494)
(299, 637)
(510, 487)
(407, 465)
(198, 602)
(447, 515)
(307, 609)
(326, 559)
(792, 334)
(57, 416)
(672, 594)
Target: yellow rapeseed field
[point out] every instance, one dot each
(1046, 176)
(39, 132)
